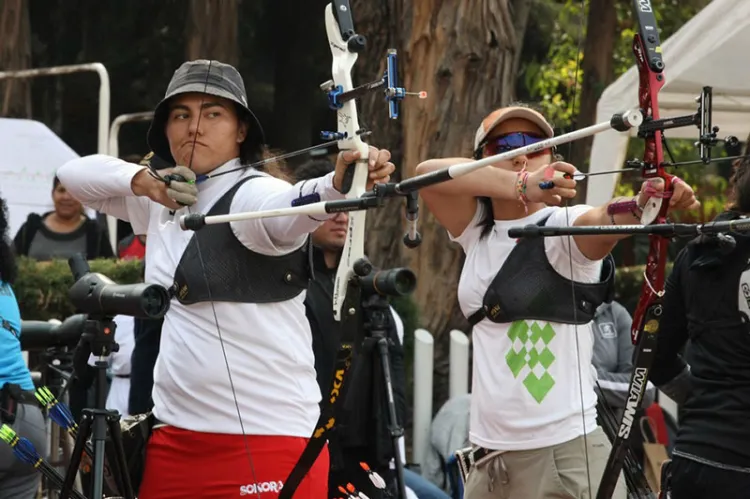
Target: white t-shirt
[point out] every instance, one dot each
(268, 345)
(525, 386)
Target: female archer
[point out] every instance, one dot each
(235, 394)
(533, 404)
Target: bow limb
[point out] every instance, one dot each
(345, 46)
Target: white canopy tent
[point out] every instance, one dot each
(709, 50)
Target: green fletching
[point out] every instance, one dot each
(7, 434)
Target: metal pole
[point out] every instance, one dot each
(424, 363)
(114, 130)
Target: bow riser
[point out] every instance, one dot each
(355, 182)
(647, 51)
(651, 83)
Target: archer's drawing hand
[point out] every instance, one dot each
(379, 167)
(176, 189)
(564, 188)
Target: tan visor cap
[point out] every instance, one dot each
(505, 113)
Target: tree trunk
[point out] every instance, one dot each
(15, 53)
(462, 53)
(211, 30)
(598, 73)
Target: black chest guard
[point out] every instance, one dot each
(232, 272)
(528, 287)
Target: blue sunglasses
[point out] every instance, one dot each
(510, 142)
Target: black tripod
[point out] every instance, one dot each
(377, 322)
(98, 338)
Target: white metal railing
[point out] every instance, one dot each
(424, 363)
(104, 104)
(113, 149)
(114, 130)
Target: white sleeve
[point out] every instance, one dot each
(278, 235)
(103, 183)
(558, 249)
(472, 232)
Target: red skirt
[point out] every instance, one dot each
(185, 464)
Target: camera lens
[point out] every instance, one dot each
(154, 301)
(393, 282)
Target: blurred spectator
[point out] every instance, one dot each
(361, 433)
(449, 432)
(18, 406)
(132, 247)
(63, 232)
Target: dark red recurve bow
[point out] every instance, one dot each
(647, 50)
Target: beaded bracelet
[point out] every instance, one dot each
(521, 180)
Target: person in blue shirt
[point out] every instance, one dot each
(18, 406)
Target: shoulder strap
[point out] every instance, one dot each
(227, 197)
(480, 314)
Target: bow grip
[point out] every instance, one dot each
(351, 170)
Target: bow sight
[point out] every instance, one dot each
(389, 83)
(707, 137)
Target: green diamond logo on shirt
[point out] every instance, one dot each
(529, 354)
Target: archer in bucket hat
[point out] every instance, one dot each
(235, 375)
(211, 79)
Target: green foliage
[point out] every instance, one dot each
(42, 287)
(555, 79)
(552, 81)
